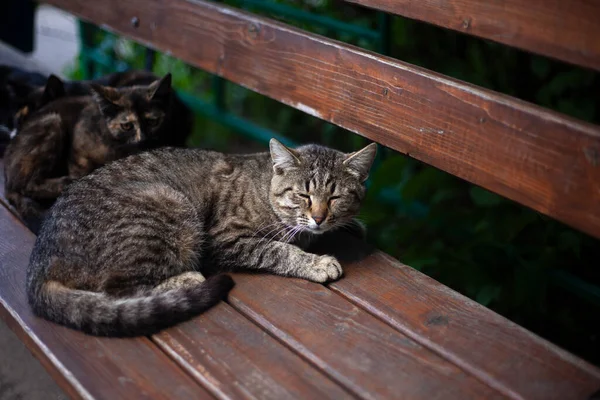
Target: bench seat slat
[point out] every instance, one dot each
(499, 352)
(539, 158)
(356, 349)
(565, 30)
(235, 359)
(85, 367)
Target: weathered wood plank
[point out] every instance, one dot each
(565, 30)
(356, 349)
(85, 367)
(499, 352)
(539, 158)
(235, 359)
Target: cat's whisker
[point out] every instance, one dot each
(276, 228)
(274, 236)
(285, 228)
(291, 234)
(299, 229)
(276, 224)
(262, 226)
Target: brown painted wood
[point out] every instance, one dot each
(356, 349)
(235, 359)
(565, 30)
(85, 367)
(539, 158)
(497, 351)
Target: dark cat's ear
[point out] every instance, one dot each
(54, 89)
(105, 97)
(161, 89)
(359, 163)
(283, 157)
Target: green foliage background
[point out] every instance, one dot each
(535, 271)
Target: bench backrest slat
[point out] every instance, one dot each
(565, 30)
(536, 157)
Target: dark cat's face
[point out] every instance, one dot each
(317, 189)
(134, 114)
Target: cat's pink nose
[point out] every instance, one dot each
(318, 219)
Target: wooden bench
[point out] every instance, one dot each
(384, 330)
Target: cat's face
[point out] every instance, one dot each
(317, 189)
(134, 114)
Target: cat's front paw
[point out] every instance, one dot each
(326, 269)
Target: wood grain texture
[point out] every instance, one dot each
(497, 351)
(538, 158)
(235, 359)
(359, 351)
(85, 367)
(565, 30)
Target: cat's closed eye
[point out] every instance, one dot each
(305, 197)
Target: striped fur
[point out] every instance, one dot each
(123, 252)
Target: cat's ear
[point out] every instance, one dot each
(359, 163)
(283, 158)
(105, 97)
(54, 89)
(161, 89)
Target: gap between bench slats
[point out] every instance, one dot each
(536, 157)
(565, 30)
(235, 359)
(499, 352)
(356, 349)
(85, 367)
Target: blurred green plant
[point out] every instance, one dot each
(533, 270)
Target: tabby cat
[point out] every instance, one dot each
(70, 136)
(126, 249)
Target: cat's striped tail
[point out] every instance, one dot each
(102, 315)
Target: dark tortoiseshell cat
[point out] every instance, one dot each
(23, 92)
(119, 122)
(70, 136)
(126, 249)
